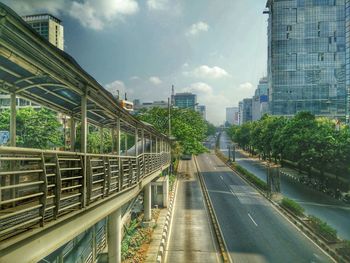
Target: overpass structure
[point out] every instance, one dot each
(47, 197)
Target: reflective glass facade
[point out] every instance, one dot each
(306, 57)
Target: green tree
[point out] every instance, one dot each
(187, 126)
(34, 128)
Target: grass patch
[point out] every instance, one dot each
(323, 228)
(251, 177)
(293, 206)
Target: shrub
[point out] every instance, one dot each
(323, 228)
(251, 177)
(293, 206)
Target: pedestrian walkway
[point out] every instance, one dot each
(191, 236)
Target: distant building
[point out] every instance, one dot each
(240, 113)
(47, 26)
(247, 110)
(149, 105)
(185, 100)
(232, 116)
(260, 100)
(202, 111)
(307, 57)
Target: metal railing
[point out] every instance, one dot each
(38, 186)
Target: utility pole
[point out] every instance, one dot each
(169, 117)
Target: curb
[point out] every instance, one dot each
(216, 226)
(164, 240)
(293, 219)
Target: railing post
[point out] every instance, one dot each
(101, 138)
(43, 188)
(13, 120)
(72, 134)
(58, 187)
(143, 150)
(136, 154)
(83, 135)
(119, 159)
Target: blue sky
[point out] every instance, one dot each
(214, 48)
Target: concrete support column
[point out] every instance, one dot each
(147, 202)
(13, 120)
(72, 134)
(115, 236)
(83, 149)
(166, 191)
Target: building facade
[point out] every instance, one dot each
(260, 100)
(240, 113)
(247, 110)
(306, 57)
(48, 27)
(185, 100)
(232, 115)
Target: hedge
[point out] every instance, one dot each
(293, 206)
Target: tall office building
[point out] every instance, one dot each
(306, 57)
(260, 100)
(347, 61)
(247, 110)
(240, 113)
(232, 115)
(185, 100)
(47, 26)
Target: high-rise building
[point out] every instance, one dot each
(247, 110)
(232, 115)
(47, 26)
(185, 100)
(202, 111)
(347, 61)
(306, 57)
(240, 113)
(260, 100)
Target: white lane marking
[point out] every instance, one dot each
(222, 178)
(252, 220)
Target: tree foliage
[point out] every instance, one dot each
(305, 140)
(34, 128)
(187, 126)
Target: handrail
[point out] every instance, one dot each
(49, 184)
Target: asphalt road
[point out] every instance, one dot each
(191, 237)
(334, 212)
(254, 231)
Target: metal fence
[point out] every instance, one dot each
(38, 186)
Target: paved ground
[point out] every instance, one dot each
(191, 237)
(253, 229)
(334, 212)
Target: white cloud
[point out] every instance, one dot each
(116, 86)
(135, 78)
(197, 28)
(157, 4)
(155, 80)
(90, 13)
(96, 14)
(205, 71)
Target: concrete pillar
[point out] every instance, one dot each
(166, 191)
(72, 134)
(147, 202)
(13, 120)
(115, 237)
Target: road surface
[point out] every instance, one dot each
(191, 236)
(334, 212)
(253, 229)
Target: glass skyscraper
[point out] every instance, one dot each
(306, 57)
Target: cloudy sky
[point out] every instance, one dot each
(214, 48)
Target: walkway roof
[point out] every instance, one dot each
(36, 70)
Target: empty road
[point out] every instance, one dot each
(253, 229)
